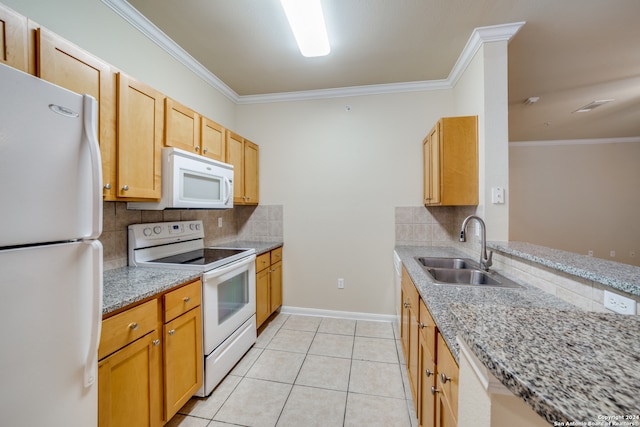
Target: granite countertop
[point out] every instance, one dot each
(567, 364)
(619, 276)
(129, 285)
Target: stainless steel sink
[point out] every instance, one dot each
(469, 277)
(457, 263)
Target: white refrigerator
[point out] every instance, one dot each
(50, 258)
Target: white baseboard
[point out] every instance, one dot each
(303, 311)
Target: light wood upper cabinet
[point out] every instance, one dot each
(244, 156)
(212, 140)
(140, 137)
(450, 157)
(182, 127)
(14, 45)
(62, 63)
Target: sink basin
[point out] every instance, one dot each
(469, 277)
(457, 263)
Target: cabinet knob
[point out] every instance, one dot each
(428, 373)
(125, 188)
(434, 390)
(172, 331)
(134, 326)
(107, 186)
(197, 147)
(186, 300)
(421, 325)
(405, 305)
(444, 378)
(156, 342)
(205, 149)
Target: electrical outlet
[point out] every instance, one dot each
(341, 283)
(619, 304)
(220, 222)
(612, 254)
(590, 253)
(632, 254)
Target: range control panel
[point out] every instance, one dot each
(159, 233)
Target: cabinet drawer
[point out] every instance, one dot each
(128, 326)
(448, 367)
(276, 255)
(428, 331)
(182, 300)
(263, 261)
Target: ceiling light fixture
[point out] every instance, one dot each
(307, 23)
(592, 105)
(532, 100)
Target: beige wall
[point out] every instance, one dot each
(577, 197)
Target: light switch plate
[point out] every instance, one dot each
(497, 195)
(619, 304)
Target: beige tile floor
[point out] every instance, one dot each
(311, 371)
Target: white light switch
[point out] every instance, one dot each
(497, 195)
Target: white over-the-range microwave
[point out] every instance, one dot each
(191, 181)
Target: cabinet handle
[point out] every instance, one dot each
(186, 300)
(134, 326)
(125, 188)
(444, 378)
(434, 390)
(421, 325)
(428, 373)
(156, 342)
(107, 186)
(172, 331)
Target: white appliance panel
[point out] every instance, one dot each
(51, 310)
(50, 166)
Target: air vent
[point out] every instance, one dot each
(592, 105)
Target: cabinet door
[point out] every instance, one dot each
(263, 304)
(275, 285)
(251, 172)
(414, 351)
(66, 65)
(427, 400)
(182, 127)
(129, 386)
(13, 39)
(212, 140)
(183, 359)
(235, 156)
(140, 135)
(447, 370)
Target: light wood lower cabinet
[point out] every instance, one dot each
(150, 359)
(268, 284)
(432, 370)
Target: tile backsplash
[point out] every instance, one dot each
(256, 223)
(430, 226)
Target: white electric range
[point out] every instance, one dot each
(228, 288)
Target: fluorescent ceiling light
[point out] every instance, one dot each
(307, 23)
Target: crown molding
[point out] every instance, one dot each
(587, 141)
(478, 37)
(156, 35)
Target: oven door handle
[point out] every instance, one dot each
(229, 267)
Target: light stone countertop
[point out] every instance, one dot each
(128, 285)
(564, 362)
(623, 277)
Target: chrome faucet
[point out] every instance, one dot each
(485, 261)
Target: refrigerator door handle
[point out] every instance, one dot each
(90, 117)
(91, 365)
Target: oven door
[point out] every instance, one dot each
(229, 299)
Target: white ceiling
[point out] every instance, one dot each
(569, 53)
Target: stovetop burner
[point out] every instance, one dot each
(200, 256)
